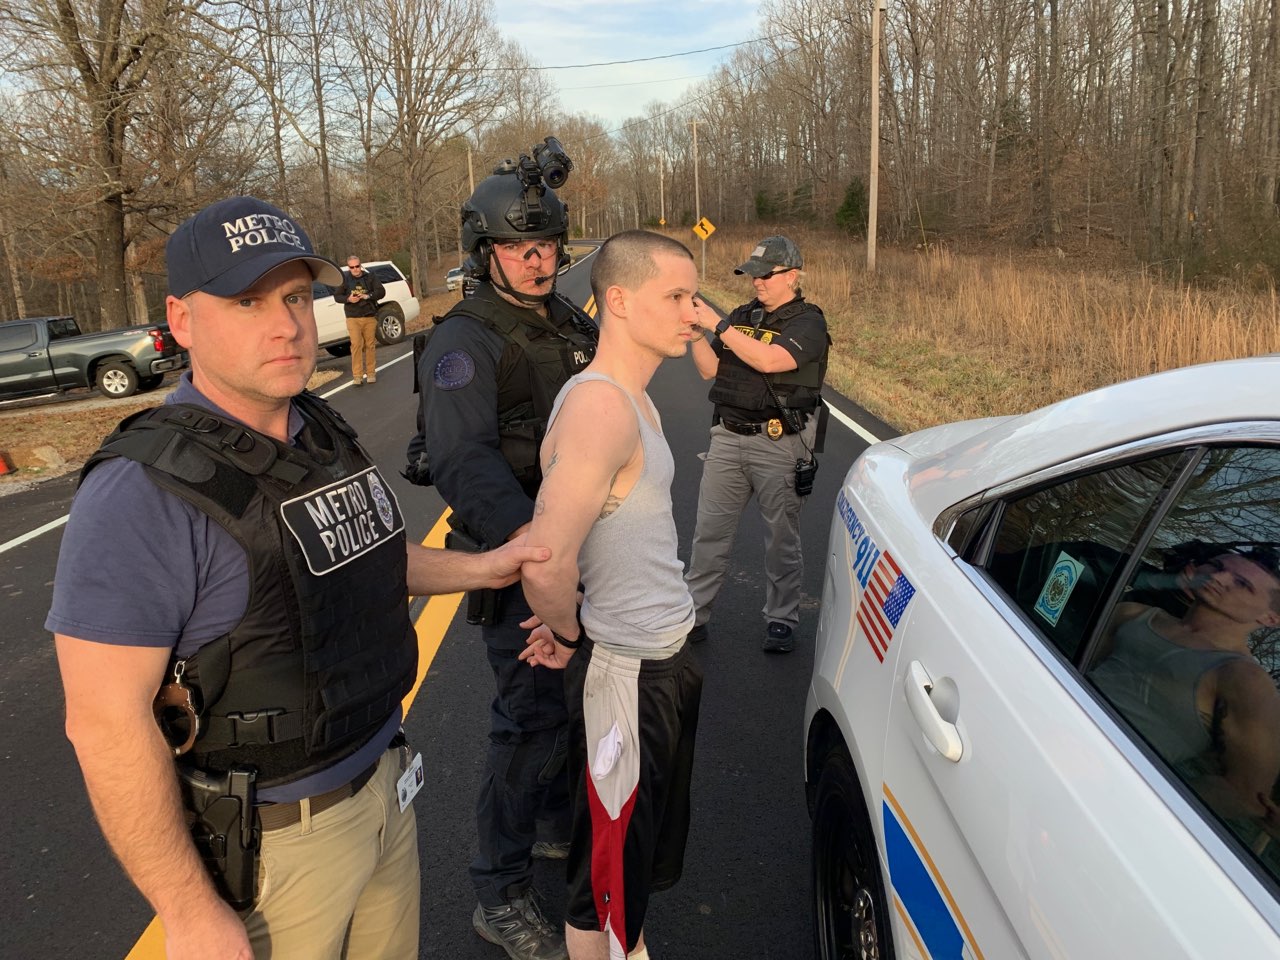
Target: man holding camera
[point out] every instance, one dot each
(488, 375)
(768, 360)
(360, 293)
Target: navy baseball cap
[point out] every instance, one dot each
(230, 245)
(770, 254)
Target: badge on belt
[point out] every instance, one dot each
(773, 428)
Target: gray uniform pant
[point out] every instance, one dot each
(735, 467)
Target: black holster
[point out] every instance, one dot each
(483, 608)
(224, 829)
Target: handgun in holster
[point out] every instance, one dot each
(482, 605)
(219, 809)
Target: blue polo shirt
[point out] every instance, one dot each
(141, 567)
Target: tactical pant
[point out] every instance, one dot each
(364, 347)
(525, 778)
(736, 467)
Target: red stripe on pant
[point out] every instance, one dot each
(608, 838)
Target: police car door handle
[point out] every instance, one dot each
(940, 732)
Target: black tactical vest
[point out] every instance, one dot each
(325, 650)
(539, 358)
(742, 387)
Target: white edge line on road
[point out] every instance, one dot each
(54, 524)
(19, 541)
(857, 428)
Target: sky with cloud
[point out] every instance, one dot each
(561, 32)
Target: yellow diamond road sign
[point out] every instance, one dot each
(704, 228)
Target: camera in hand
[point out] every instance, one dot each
(806, 470)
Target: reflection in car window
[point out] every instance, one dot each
(1056, 549)
(1189, 655)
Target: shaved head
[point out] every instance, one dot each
(629, 259)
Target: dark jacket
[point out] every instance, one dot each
(366, 283)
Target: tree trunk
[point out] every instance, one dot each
(1207, 83)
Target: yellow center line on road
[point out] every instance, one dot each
(431, 626)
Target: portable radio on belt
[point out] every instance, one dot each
(807, 468)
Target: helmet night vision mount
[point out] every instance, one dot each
(518, 202)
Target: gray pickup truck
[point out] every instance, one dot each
(49, 354)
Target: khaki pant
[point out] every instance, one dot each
(364, 347)
(347, 875)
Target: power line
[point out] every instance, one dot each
(665, 56)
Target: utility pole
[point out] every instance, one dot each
(697, 199)
(471, 177)
(873, 194)
(662, 192)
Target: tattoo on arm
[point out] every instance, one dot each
(538, 506)
(551, 464)
(611, 502)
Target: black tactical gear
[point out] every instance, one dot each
(740, 392)
(325, 651)
(504, 208)
(538, 356)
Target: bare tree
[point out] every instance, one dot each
(110, 46)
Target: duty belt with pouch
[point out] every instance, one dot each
(483, 608)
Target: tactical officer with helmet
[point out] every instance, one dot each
(234, 696)
(488, 374)
(768, 360)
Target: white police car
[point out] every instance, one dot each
(1044, 720)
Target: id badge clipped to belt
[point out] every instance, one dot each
(411, 775)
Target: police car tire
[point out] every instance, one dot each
(851, 917)
(339, 349)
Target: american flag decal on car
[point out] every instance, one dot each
(883, 602)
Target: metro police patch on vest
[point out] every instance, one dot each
(454, 370)
(344, 520)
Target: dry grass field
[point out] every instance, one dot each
(938, 335)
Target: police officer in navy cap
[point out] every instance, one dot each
(768, 359)
(234, 678)
(488, 375)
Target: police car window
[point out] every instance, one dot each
(1189, 656)
(1055, 550)
(319, 290)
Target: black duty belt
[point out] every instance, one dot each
(750, 429)
(277, 816)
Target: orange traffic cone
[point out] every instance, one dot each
(6, 465)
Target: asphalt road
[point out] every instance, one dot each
(745, 890)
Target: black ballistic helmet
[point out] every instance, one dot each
(512, 204)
